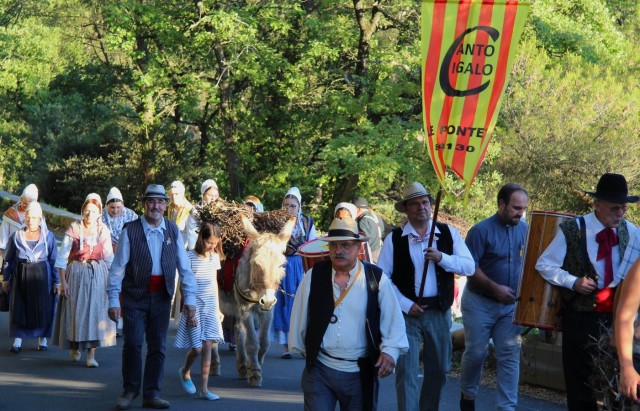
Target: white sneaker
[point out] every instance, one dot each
(91, 359)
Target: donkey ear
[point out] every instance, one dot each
(285, 234)
(248, 227)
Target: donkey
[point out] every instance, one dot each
(257, 279)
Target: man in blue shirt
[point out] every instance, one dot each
(149, 253)
(497, 245)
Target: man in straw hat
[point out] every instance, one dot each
(347, 322)
(588, 280)
(404, 257)
(497, 245)
(149, 252)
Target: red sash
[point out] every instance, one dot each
(604, 300)
(156, 283)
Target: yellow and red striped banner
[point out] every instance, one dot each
(467, 54)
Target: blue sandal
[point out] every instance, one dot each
(209, 396)
(186, 384)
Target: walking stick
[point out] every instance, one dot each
(431, 235)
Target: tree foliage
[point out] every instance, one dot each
(322, 94)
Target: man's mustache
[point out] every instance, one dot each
(341, 256)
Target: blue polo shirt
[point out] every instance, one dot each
(498, 250)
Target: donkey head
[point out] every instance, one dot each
(266, 263)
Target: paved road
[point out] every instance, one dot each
(49, 381)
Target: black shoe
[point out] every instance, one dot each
(467, 405)
(155, 402)
(124, 401)
(15, 349)
(42, 348)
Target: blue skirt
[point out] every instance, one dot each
(32, 303)
(292, 278)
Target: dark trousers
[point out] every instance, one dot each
(323, 387)
(578, 332)
(148, 317)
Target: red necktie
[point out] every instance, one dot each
(606, 239)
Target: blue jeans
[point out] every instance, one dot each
(432, 328)
(483, 319)
(324, 386)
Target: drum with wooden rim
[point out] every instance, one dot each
(537, 301)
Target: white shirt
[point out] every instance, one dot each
(346, 338)
(552, 258)
(461, 262)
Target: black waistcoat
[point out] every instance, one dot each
(404, 272)
(138, 269)
(321, 309)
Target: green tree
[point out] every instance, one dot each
(567, 123)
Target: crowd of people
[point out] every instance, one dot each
(378, 305)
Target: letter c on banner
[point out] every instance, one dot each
(445, 84)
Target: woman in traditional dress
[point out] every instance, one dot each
(179, 209)
(304, 231)
(210, 193)
(202, 332)
(13, 218)
(255, 204)
(83, 262)
(343, 210)
(115, 215)
(30, 275)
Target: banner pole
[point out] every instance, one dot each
(431, 236)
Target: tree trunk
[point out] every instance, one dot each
(228, 125)
(346, 186)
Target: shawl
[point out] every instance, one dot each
(13, 217)
(116, 224)
(39, 252)
(181, 213)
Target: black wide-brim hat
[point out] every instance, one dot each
(613, 187)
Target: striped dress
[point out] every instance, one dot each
(209, 326)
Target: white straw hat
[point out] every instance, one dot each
(343, 229)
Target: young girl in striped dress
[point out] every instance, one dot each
(201, 333)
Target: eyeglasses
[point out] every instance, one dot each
(156, 202)
(418, 204)
(341, 245)
(618, 208)
(614, 208)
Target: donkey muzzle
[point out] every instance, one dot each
(268, 300)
